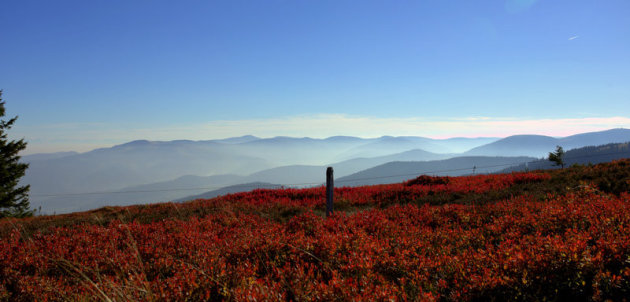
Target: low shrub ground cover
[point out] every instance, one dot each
(554, 235)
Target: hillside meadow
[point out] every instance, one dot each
(540, 235)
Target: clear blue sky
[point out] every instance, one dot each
(94, 73)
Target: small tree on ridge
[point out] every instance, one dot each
(557, 157)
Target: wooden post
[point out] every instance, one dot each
(330, 186)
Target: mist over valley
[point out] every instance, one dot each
(156, 171)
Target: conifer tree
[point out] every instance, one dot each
(13, 198)
(557, 157)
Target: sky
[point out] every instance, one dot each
(88, 74)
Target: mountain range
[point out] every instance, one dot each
(152, 171)
(582, 156)
(399, 171)
(540, 145)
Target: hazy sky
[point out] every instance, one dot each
(85, 74)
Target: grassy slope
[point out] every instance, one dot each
(609, 178)
(458, 228)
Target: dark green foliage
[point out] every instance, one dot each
(557, 157)
(427, 180)
(13, 199)
(613, 178)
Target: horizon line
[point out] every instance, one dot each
(96, 147)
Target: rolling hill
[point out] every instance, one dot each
(582, 156)
(400, 171)
(539, 145)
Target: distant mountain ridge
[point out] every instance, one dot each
(142, 162)
(303, 175)
(392, 172)
(46, 156)
(582, 156)
(400, 171)
(145, 167)
(540, 145)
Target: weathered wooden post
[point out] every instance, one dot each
(330, 186)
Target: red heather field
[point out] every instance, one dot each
(552, 235)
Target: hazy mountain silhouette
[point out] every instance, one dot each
(238, 140)
(46, 156)
(388, 145)
(539, 145)
(583, 156)
(141, 161)
(148, 193)
(304, 174)
(141, 164)
(135, 163)
(618, 135)
(517, 145)
(230, 190)
(387, 173)
(191, 184)
(400, 171)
